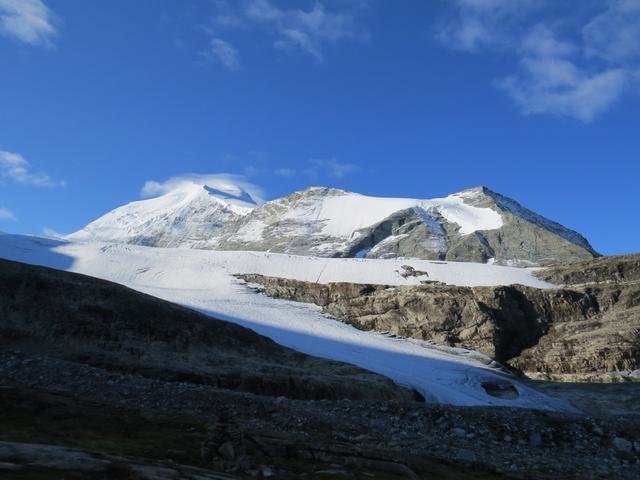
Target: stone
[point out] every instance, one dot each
(535, 439)
(266, 472)
(467, 455)
(227, 451)
(622, 444)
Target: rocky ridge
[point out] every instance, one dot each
(430, 229)
(585, 331)
(476, 225)
(82, 319)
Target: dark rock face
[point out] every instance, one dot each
(405, 233)
(95, 322)
(609, 338)
(524, 237)
(621, 269)
(589, 332)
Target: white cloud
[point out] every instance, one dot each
(317, 168)
(225, 16)
(556, 86)
(476, 24)
(541, 41)
(6, 214)
(308, 31)
(226, 182)
(333, 168)
(14, 167)
(554, 76)
(30, 21)
(614, 34)
(304, 30)
(225, 53)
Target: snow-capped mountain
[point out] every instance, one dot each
(476, 225)
(191, 215)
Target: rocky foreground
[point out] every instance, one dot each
(588, 329)
(98, 381)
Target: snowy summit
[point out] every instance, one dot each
(475, 225)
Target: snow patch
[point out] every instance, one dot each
(345, 213)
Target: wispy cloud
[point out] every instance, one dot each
(557, 86)
(305, 30)
(475, 24)
(285, 172)
(294, 29)
(580, 76)
(226, 182)
(14, 167)
(29, 21)
(6, 214)
(614, 34)
(320, 167)
(334, 168)
(225, 53)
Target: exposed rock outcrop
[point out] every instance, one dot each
(587, 332)
(83, 319)
(88, 389)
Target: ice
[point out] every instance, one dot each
(204, 280)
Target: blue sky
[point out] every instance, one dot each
(537, 99)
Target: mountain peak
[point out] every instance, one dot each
(323, 190)
(478, 190)
(476, 224)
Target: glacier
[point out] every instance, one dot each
(204, 280)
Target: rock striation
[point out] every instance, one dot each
(582, 331)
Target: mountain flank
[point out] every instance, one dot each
(588, 330)
(77, 318)
(475, 225)
(98, 381)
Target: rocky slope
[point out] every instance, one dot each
(579, 332)
(476, 225)
(93, 322)
(98, 381)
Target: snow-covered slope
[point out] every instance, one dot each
(204, 280)
(330, 222)
(190, 215)
(475, 225)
